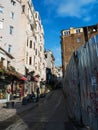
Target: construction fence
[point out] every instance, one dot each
(80, 83)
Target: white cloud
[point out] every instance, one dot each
(72, 8)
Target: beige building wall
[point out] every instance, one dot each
(40, 64)
(13, 39)
(22, 35)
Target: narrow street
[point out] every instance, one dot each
(49, 114)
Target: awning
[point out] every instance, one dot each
(24, 78)
(13, 73)
(8, 54)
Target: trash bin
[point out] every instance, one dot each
(10, 104)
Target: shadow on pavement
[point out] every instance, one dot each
(15, 110)
(49, 112)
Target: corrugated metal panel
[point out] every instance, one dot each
(81, 83)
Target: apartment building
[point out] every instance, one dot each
(50, 65)
(59, 72)
(21, 34)
(39, 59)
(72, 39)
(21, 39)
(9, 20)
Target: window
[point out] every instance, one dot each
(9, 48)
(1, 9)
(45, 55)
(35, 15)
(40, 48)
(23, 8)
(13, 2)
(30, 43)
(30, 60)
(34, 45)
(77, 30)
(67, 33)
(31, 27)
(36, 52)
(12, 15)
(78, 39)
(35, 38)
(1, 25)
(11, 30)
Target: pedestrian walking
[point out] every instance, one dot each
(8, 92)
(42, 86)
(38, 93)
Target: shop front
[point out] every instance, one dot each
(12, 85)
(3, 90)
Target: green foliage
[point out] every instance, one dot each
(2, 71)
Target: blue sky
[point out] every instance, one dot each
(57, 15)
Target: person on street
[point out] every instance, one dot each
(42, 86)
(8, 92)
(38, 93)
